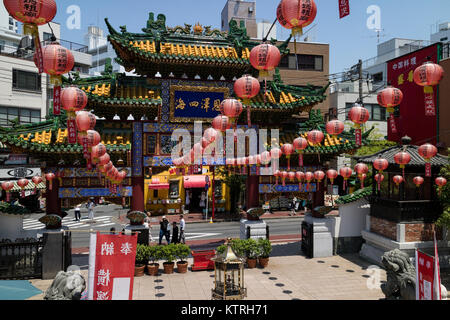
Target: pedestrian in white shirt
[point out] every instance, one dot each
(182, 228)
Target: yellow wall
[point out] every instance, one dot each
(165, 177)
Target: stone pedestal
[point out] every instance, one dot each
(258, 229)
(143, 235)
(322, 238)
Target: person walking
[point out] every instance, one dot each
(182, 228)
(203, 203)
(90, 206)
(78, 212)
(175, 238)
(147, 224)
(188, 200)
(164, 230)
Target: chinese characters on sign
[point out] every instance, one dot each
(57, 100)
(358, 137)
(111, 266)
(71, 131)
(424, 276)
(344, 8)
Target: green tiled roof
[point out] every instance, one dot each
(359, 194)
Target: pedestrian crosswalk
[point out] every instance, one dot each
(100, 222)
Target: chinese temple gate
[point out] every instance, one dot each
(183, 74)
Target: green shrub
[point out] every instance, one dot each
(142, 254)
(252, 249)
(221, 249)
(182, 251)
(168, 252)
(265, 247)
(239, 247)
(155, 253)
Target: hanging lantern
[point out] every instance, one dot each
(247, 88)
(98, 151)
(300, 144)
(284, 175)
(315, 137)
(428, 75)
(319, 175)
(287, 150)
(277, 174)
(265, 158)
(210, 135)
(418, 181)
(72, 100)
(8, 186)
(334, 127)
(359, 116)
(221, 123)
(379, 177)
(22, 183)
(346, 173)
(380, 164)
(300, 177)
(231, 108)
(265, 57)
(50, 177)
(440, 182)
(57, 61)
(85, 121)
(309, 176)
(275, 153)
(36, 180)
(296, 14)
(361, 169)
(390, 98)
(427, 151)
(332, 174)
(291, 176)
(32, 14)
(93, 139)
(402, 158)
(398, 180)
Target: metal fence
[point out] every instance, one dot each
(21, 259)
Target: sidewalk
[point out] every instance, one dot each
(289, 276)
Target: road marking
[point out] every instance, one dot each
(106, 224)
(195, 235)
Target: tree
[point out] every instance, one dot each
(236, 184)
(444, 219)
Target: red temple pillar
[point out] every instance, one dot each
(137, 200)
(52, 201)
(252, 191)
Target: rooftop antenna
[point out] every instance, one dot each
(379, 35)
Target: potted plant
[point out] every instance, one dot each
(168, 254)
(182, 251)
(141, 259)
(155, 255)
(265, 248)
(252, 251)
(239, 247)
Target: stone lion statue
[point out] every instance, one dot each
(66, 286)
(401, 277)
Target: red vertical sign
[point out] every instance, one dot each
(57, 100)
(414, 112)
(358, 137)
(344, 8)
(111, 266)
(71, 131)
(428, 170)
(424, 276)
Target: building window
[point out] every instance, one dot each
(174, 189)
(151, 144)
(24, 116)
(305, 62)
(47, 36)
(24, 80)
(376, 112)
(377, 77)
(166, 144)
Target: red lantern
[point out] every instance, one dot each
(390, 98)
(104, 159)
(319, 176)
(296, 14)
(346, 173)
(284, 175)
(85, 121)
(379, 177)
(334, 127)
(50, 177)
(300, 177)
(265, 57)
(418, 181)
(277, 174)
(397, 180)
(265, 157)
(427, 75)
(210, 135)
(300, 144)
(221, 123)
(380, 164)
(8, 186)
(36, 180)
(441, 182)
(427, 151)
(291, 176)
(275, 153)
(247, 88)
(402, 158)
(98, 151)
(73, 100)
(287, 150)
(32, 14)
(361, 169)
(231, 108)
(315, 137)
(359, 115)
(332, 174)
(309, 176)
(22, 183)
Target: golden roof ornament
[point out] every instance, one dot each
(198, 29)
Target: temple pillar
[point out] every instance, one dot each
(318, 199)
(252, 191)
(137, 200)
(52, 201)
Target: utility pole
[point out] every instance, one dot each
(361, 82)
